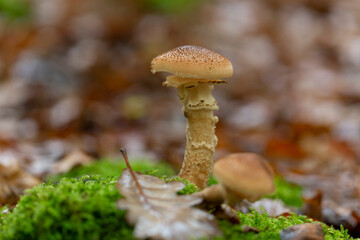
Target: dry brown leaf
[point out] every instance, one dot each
(273, 207)
(247, 228)
(13, 179)
(339, 198)
(306, 231)
(74, 158)
(227, 213)
(159, 213)
(313, 206)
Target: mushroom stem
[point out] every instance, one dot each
(200, 132)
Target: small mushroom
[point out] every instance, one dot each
(241, 176)
(195, 70)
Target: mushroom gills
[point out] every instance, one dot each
(175, 81)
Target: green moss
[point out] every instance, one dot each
(190, 187)
(14, 9)
(110, 168)
(75, 205)
(269, 228)
(173, 6)
(290, 194)
(212, 181)
(85, 208)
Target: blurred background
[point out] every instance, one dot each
(75, 79)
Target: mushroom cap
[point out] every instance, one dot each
(193, 62)
(245, 175)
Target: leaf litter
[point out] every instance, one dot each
(281, 95)
(306, 231)
(158, 212)
(13, 179)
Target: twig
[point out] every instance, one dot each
(144, 199)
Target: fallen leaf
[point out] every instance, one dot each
(273, 207)
(313, 206)
(227, 213)
(42, 155)
(13, 179)
(159, 213)
(282, 148)
(74, 158)
(339, 198)
(306, 231)
(247, 228)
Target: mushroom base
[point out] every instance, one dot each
(212, 196)
(218, 194)
(196, 168)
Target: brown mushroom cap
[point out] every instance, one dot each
(193, 62)
(245, 175)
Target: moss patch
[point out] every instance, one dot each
(111, 168)
(85, 208)
(15, 9)
(269, 228)
(289, 193)
(189, 187)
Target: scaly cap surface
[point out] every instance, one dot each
(193, 62)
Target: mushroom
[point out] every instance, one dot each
(195, 70)
(241, 176)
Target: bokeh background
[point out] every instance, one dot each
(75, 76)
